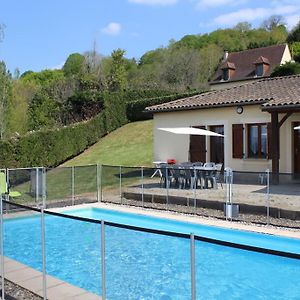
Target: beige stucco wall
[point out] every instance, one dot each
(169, 145)
(286, 57)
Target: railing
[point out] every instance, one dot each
(245, 196)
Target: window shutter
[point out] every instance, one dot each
(269, 125)
(198, 147)
(237, 141)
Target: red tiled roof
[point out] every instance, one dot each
(228, 65)
(244, 62)
(261, 60)
(270, 92)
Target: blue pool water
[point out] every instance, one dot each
(150, 266)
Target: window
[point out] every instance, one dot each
(257, 140)
(226, 74)
(259, 70)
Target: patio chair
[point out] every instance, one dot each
(218, 177)
(209, 175)
(189, 177)
(177, 176)
(165, 175)
(4, 187)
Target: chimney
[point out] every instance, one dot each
(225, 56)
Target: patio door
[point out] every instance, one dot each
(217, 145)
(198, 147)
(296, 148)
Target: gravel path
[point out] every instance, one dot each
(16, 292)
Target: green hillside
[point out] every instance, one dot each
(130, 145)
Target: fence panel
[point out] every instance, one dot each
(59, 186)
(111, 180)
(132, 188)
(23, 255)
(24, 186)
(132, 254)
(73, 249)
(85, 184)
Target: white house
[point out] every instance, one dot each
(257, 119)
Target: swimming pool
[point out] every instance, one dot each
(143, 265)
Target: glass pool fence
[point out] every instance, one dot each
(260, 197)
(58, 254)
(36, 261)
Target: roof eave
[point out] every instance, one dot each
(258, 102)
(281, 108)
(240, 79)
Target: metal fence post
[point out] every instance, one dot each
(2, 248)
(100, 188)
(167, 186)
(44, 187)
(142, 176)
(195, 184)
(103, 273)
(268, 195)
(98, 182)
(43, 253)
(73, 184)
(193, 267)
(37, 186)
(228, 190)
(120, 171)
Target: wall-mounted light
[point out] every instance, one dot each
(239, 109)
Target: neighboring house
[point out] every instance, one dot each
(257, 119)
(250, 65)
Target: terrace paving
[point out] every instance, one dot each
(32, 280)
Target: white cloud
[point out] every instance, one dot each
(215, 3)
(292, 21)
(58, 67)
(251, 14)
(154, 2)
(112, 28)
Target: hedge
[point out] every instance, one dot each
(49, 148)
(135, 110)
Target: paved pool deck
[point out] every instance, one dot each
(32, 280)
(267, 229)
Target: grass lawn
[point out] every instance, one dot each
(130, 145)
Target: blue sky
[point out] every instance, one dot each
(40, 34)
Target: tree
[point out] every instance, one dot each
(5, 97)
(272, 22)
(243, 26)
(117, 80)
(74, 64)
(43, 111)
(295, 50)
(289, 68)
(294, 35)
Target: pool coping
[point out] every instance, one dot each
(32, 280)
(210, 221)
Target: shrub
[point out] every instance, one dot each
(50, 148)
(135, 110)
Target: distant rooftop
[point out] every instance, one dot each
(244, 63)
